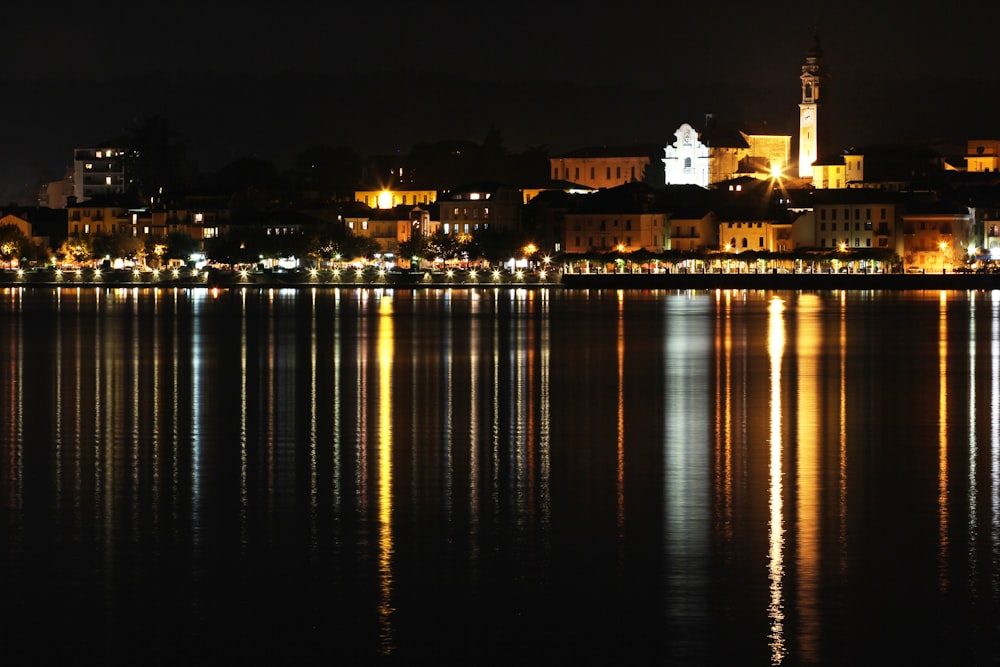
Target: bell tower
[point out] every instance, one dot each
(812, 81)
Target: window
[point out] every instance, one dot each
(364, 224)
(857, 226)
(833, 214)
(744, 244)
(608, 174)
(687, 164)
(857, 242)
(628, 225)
(591, 173)
(576, 174)
(868, 243)
(822, 214)
(822, 226)
(760, 242)
(883, 214)
(618, 172)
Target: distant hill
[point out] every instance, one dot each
(273, 117)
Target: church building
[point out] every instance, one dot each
(809, 109)
(722, 152)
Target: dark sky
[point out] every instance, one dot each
(270, 79)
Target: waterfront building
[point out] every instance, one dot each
(693, 224)
(390, 227)
(476, 207)
(844, 219)
(622, 219)
(937, 237)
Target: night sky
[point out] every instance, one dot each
(267, 80)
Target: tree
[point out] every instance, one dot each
(181, 245)
(156, 160)
(76, 249)
(13, 243)
(332, 172)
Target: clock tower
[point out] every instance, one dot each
(812, 79)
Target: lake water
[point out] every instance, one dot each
(480, 476)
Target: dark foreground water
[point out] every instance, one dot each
(515, 476)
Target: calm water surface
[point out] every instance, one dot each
(479, 476)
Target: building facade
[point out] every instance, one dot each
(479, 207)
(98, 172)
(983, 155)
(603, 167)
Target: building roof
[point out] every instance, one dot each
(636, 150)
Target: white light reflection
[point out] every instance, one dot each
(335, 426)
(244, 493)
(313, 468)
(776, 538)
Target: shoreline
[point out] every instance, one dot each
(645, 281)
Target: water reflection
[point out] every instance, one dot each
(387, 640)
(705, 478)
(776, 500)
(943, 516)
